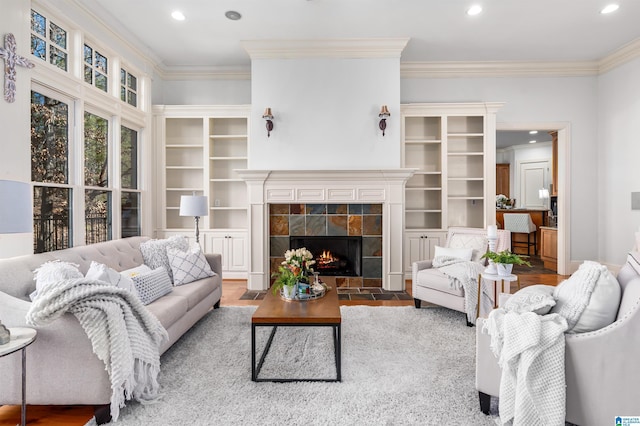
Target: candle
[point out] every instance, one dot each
(492, 231)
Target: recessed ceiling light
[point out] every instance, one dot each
(177, 15)
(474, 10)
(532, 141)
(609, 8)
(233, 15)
(533, 132)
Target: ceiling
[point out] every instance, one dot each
(506, 138)
(438, 30)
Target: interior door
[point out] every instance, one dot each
(533, 177)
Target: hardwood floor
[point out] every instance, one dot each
(232, 291)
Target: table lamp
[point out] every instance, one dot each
(196, 206)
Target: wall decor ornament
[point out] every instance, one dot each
(11, 59)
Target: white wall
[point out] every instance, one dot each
(619, 154)
(529, 100)
(326, 113)
(517, 154)
(201, 92)
(15, 143)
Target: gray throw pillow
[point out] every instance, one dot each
(154, 252)
(535, 298)
(152, 285)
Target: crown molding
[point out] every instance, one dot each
(497, 69)
(620, 56)
(195, 72)
(325, 48)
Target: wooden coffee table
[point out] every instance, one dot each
(276, 312)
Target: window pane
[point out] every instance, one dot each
(132, 82)
(49, 139)
(51, 219)
(123, 77)
(88, 74)
(38, 47)
(129, 157)
(95, 150)
(101, 63)
(88, 55)
(123, 94)
(58, 58)
(58, 35)
(97, 216)
(130, 214)
(101, 81)
(38, 23)
(133, 98)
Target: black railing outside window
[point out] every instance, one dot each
(54, 232)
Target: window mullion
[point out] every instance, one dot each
(76, 175)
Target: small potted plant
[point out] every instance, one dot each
(294, 272)
(505, 260)
(286, 281)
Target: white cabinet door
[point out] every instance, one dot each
(420, 246)
(237, 251)
(219, 245)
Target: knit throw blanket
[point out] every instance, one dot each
(530, 351)
(123, 333)
(463, 274)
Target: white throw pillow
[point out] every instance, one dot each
(536, 298)
(188, 266)
(101, 272)
(152, 285)
(53, 272)
(460, 253)
(130, 273)
(588, 299)
(154, 252)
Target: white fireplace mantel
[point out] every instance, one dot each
(384, 187)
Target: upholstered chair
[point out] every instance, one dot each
(433, 286)
(521, 223)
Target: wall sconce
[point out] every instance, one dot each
(269, 118)
(384, 114)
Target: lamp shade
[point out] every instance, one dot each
(193, 205)
(15, 207)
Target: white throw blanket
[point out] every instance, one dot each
(530, 351)
(123, 333)
(463, 273)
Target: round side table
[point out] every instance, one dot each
(494, 279)
(21, 337)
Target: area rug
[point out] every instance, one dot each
(400, 365)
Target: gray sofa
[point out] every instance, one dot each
(61, 366)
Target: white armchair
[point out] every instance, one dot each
(433, 286)
(601, 368)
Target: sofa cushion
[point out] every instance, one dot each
(53, 272)
(152, 285)
(188, 266)
(458, 253)
(436, 280)
(536, 298)
(195, 291)
(588, 299)
(154, 252)
(169, 309)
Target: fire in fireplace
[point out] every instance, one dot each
(334, 255)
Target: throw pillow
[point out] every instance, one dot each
(154, 252)
(460, 253)
(188, 266)
(588, 299)
(536, 298)
(100, 272)
(130, 273)
(152, 285)
(53, 272)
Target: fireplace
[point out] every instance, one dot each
(334, 255)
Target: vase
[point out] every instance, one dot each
(504, 269)
(289, 291)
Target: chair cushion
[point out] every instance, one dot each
(536, 298)
(458, 253)
(436, 280)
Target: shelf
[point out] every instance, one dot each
(422, 141)
(464, 179)
(422, 211)
(226, 180)
(228, 136)
(183, 168)
(183, 189)
(465, 135)
(188, 146)
(427, 173)
(408, 188)
(464, 198)
(229, 208)
(464, 154)
(227, 158)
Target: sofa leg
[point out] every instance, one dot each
(216, 305)
(417, 302)
(102, 414)
(485, 402)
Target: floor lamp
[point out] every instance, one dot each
(196, 206)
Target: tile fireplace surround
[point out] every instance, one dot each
(351, 187)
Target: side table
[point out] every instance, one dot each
(21, 337)
(494, 279)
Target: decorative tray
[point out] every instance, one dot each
(316, 291)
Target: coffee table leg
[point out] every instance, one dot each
(257, 369)
(338, 351)
(253, 352)
(23, 409)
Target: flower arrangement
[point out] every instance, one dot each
(295, 268)
(502, 200)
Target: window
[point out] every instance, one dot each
(128, 88)
(97, 203)
(130, 197)
(50, 171)
(96, 68)
(48, 40)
